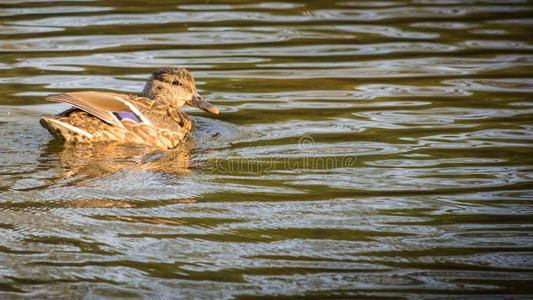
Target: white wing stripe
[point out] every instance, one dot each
(70, 127)
(134, 110)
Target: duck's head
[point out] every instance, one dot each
(175, 87)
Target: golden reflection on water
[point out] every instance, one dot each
(99, 160)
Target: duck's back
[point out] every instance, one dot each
(107, 117)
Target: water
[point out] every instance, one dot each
(364, 149)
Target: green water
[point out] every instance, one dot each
(364, 149)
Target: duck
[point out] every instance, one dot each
(154, 118)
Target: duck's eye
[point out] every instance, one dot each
(176, 82)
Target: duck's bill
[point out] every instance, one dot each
(199, 102)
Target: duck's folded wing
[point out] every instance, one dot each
(109, 107)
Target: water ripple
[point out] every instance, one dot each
(364, 149)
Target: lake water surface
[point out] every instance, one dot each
(364, 149)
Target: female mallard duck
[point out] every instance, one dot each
(154, 119)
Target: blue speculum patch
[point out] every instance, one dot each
(121, 115)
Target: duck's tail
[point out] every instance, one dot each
(64, 131)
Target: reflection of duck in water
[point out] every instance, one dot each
(81, 163)
(154, 119)
(115, 168)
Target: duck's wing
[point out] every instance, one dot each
(109, 107)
